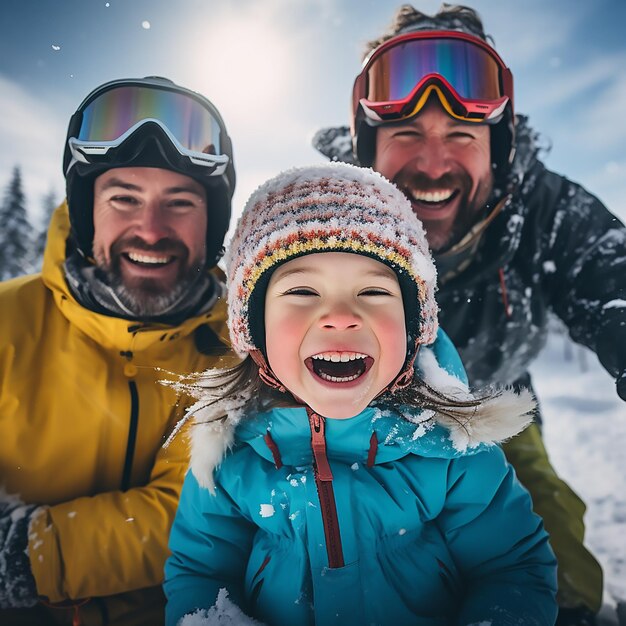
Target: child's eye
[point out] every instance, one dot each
(374, 291)
(300, 291)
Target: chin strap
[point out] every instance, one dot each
(405, 377)
(402, 381)
(265, 372)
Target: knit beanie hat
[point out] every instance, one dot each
(332, 207)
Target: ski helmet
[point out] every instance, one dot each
(148, 122)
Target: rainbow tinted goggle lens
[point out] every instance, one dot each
(467, 75)
(116, 111)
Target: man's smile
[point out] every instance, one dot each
(141, 258)
(431, 198)
(432, 204)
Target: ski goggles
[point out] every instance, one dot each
(472, 82)
(116, 110)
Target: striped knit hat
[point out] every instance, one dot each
(332, 207)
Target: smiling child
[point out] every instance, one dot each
(343, 473)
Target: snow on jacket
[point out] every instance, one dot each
(82, 422)
(429, 534)
(560, 251)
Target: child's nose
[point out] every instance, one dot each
(340, 317)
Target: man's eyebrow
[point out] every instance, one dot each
(118, 182)
(184, 189)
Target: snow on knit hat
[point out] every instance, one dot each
(332, 207)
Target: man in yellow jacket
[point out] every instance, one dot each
(129, 295)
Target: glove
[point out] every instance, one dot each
(17, 584)
(620, 383)
(334, 143)
(580, 616)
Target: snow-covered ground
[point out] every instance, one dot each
(585, 432)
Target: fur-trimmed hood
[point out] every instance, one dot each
(400, 431)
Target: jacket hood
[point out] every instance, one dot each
(400, 431)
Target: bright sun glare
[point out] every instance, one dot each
(246, 60)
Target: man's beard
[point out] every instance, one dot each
(147, 297)
(470, 209)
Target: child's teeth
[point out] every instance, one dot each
(334, 379)
(337, 357)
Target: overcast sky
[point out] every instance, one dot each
(280, 69)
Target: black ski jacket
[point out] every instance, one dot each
(554, 248)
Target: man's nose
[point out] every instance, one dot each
(151, 224)
(433, 158)
(340, 316)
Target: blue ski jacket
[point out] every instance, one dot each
(391, 525)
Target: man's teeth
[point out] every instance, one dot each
(337, 357)
(431, 196)
(142, 258)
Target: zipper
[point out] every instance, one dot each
(505, 299)
(325, 491)
(132, 435)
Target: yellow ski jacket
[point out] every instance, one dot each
(82, 422)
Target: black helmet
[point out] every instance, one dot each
(148, 122)
(445, 56)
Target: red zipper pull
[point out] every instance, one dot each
(318, 443)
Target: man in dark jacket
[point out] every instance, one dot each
(514, 242)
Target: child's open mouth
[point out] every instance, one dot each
(339, 367)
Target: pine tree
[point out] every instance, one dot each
(49, 203)
(15, 229)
